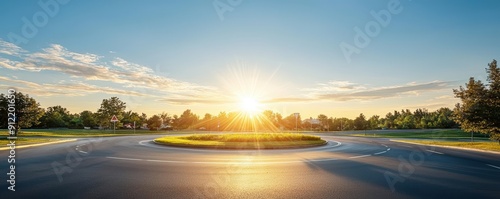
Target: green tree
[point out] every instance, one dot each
(154, 122)
(166, 119)
(374, 122)
(56, 116)
(27, 110)
(187, 119)
(207, 122)
(110, 107)
(480, 107)
(360, 122)
(290, 122)
(88, 119)
(175, 122)
(129, 117)
(75, 122)
(323, 119)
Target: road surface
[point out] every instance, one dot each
(348, 167)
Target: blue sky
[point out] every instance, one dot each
(167, 56)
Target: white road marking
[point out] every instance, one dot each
(80, 150)
(435, 152)
(496, 167)
(148, 144)
(239, 163)
(182, 162)
(360, 156)
(380, 153)
(118, 158)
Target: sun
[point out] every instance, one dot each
(249, 105)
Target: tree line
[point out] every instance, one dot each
(31, 115)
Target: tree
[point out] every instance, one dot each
(175, 122)
(360, 122)
(207, 122)
(129, 117)
(110, 107)
(480, 107)
(374, 122)
(27, 110)
(187, 119)
(154, 122)
(166, 120)
(291, 123)
(323, 119)
(56, 116)
(75, 122)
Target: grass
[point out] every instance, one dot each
(424, 134)
(27, 141)
(489, 146)
(243, 141)
(440, 137)
(81, 132)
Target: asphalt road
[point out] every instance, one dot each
(348, 167)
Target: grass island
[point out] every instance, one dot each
(243, 141)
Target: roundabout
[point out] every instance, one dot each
(243, 141)
(333, 150)
(138, 167)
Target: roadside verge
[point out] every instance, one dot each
(40, 144)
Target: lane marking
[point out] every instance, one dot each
(360, 156)
(40, 144)
(327, 147)
(496, 167)
(186, 162)
(243, 162)
(435, 152)
(118, 158)
(238, 163)
(380, 153)
(80, 150)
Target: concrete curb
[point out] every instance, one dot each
(450, 147)
(40, 144)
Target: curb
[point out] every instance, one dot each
(40, 144)
(450, 147)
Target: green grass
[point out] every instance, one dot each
(243, 141)
(424, 134)
(81, 132)
(27, 141)
(489, 146)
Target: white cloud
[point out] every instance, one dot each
(347, 91)
(90, 67)
(10, 48)
(62, 88)
(335, 86)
